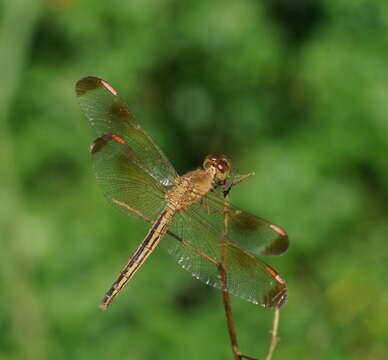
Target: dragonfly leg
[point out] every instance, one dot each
(236, 180)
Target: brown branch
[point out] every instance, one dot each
(224, 287)
(274, 333)
(237, 355)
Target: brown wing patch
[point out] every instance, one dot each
(279, 245)
(120, 109)
(87, 84)
(277, 297)
(98, 144)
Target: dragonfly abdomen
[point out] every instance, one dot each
(156, 233)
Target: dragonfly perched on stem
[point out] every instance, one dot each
(187, 212)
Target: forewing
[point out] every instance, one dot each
(198, 252)
(109, 114)
(123, 179)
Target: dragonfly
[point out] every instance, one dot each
(186, 213)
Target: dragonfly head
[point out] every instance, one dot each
(220, 163)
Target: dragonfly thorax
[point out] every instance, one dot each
(189, 188)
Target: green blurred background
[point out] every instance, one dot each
(293, 90)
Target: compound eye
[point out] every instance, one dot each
(220, 163)
(223, 169)
(223, 166)
(211, 160)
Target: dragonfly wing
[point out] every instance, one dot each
(109, 114)
(248, 231)
(199, 252)
(124, 181)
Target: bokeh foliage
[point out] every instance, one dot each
(293, 90)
